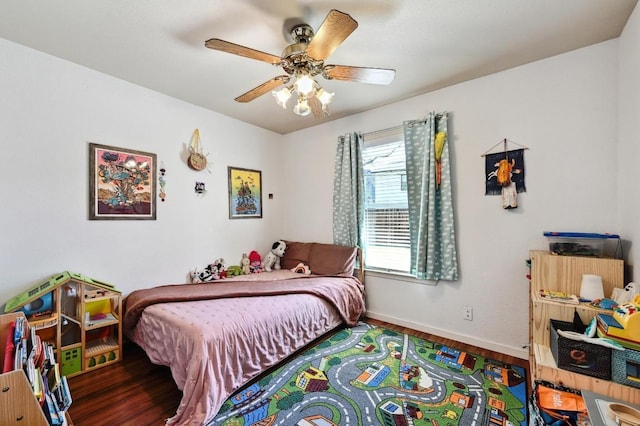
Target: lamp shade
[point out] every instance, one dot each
(591, 287)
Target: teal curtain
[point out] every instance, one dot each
(348, 192)
(431, 216)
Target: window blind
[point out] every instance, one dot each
(386, 232)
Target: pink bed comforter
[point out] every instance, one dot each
(216, 337)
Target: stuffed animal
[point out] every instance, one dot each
(301, 268)
(245, 263)
(198, 277)
(272, 259)
(219, 269)
(212, 272)
(234, 271)
(255, 262)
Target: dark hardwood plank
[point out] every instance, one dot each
(131, 392)
(138, 392)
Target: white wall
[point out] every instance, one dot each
(49, 110)
(628, 174)
(565, 110)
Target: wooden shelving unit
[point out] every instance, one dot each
(564, 273)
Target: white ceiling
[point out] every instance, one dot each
(159, 44)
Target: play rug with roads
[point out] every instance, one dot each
(370, 375)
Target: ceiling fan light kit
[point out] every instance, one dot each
(303, 61)
(306, 88)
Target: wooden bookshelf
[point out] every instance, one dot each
(18, 406)
(564, 273)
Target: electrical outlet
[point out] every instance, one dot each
(467, 313)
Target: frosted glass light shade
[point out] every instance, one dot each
(282, 96)
(302, 108)
(304, 84)
(324, 97)
(591, 287)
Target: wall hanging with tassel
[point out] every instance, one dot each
(504, 173)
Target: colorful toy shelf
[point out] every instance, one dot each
(79, 315)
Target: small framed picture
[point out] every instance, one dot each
(122, 183)
(245, 193)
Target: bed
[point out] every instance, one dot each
(216, 337)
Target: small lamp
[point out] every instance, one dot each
(591, 287)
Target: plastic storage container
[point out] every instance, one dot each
(578, 243)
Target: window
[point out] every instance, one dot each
(386, 228)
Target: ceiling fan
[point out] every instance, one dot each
(303, 60)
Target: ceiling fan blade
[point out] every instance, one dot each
(316, 108)
(359, 74)
(335, 28)
(247, 52)
(263, 88)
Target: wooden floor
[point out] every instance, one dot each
(137, 392)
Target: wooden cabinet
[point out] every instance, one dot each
(564, 273)
(79, 315)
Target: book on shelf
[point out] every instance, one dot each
(20, 329)
(560, 296)
(51, 412)
(20, 358)
(9, 348)
(63, 394)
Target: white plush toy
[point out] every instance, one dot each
(272, 259)
(301, 268)
(626, 294)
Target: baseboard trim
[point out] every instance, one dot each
(508, 350)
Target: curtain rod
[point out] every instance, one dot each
(388, 129)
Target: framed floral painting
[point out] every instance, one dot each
(122, 183)
(245, 193)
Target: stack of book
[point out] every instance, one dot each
(25, 350)
(559, 296)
